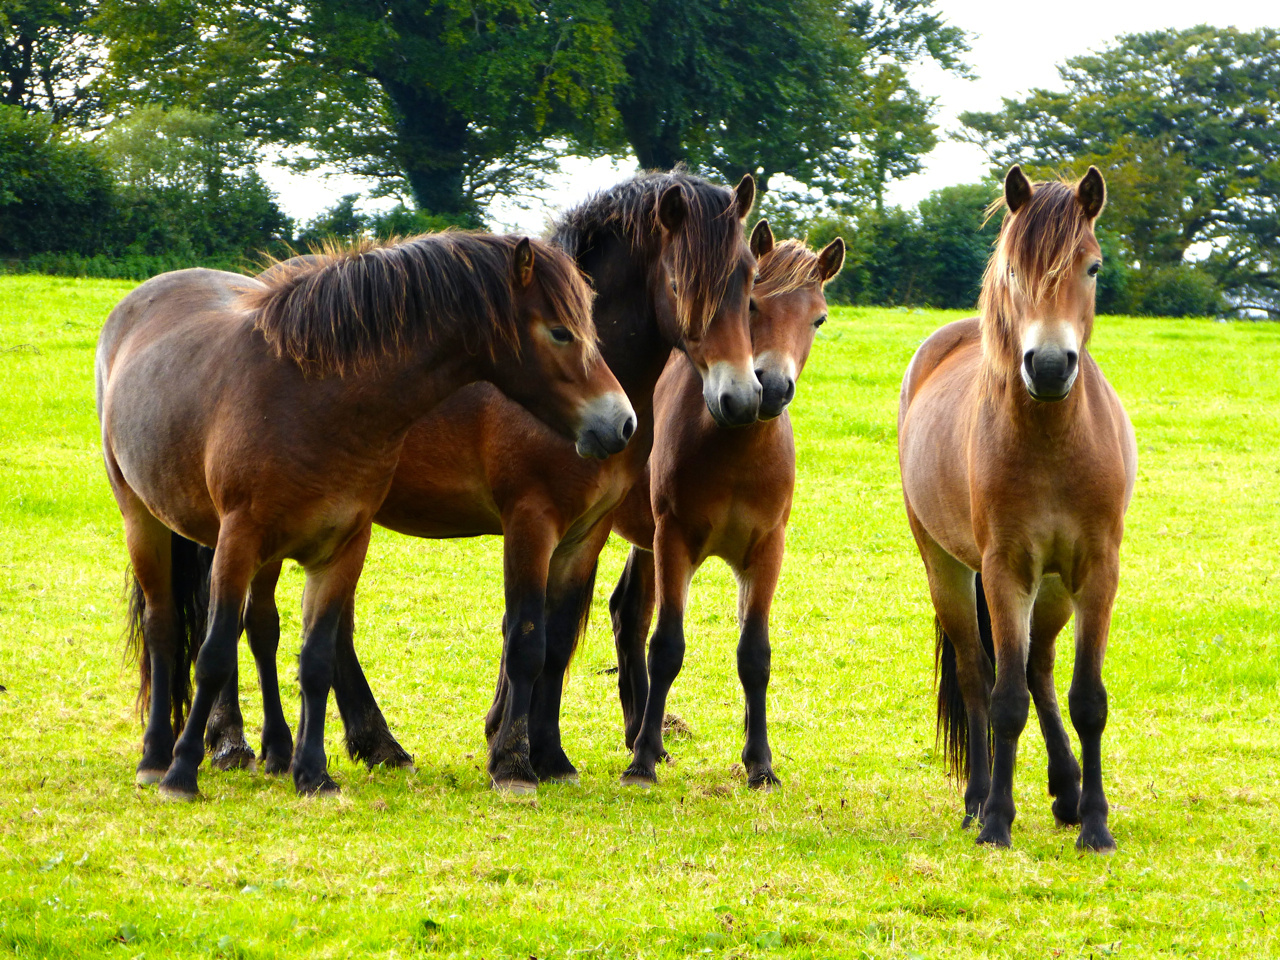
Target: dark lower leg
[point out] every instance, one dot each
(1088, 702)
(666, 656)
(224, 737)
(367, 734)
(157, 741)
(631, 609)
(315, 677)
(213, 668)
(262, 624)
(1010, 703)
(546, 752)
(754, 659)
(524, 653)
(1064, 772)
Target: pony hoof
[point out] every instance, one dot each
(515, 788)
(149, 778)
(275, 766)
(768, 785)
(967, 822)
(992, 836)
(182, 794)
(632, 777)
(1097, 840)
(324, 787)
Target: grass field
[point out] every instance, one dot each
(860, 853)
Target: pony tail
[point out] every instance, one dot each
(952, 732)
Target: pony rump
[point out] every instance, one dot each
(347, 307)
(704, 251)
(1037, 245)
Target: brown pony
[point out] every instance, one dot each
(712, 491)
(669, 260)
(266, 416)
(1018, 462)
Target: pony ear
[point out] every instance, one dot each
(831, 259)
(672, 208)
(1017, 188)
(745, 195)
(1092, 193)
(761, 239)
(522, 261)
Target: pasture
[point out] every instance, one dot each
(859, 854)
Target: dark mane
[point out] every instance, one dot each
(707, 247)
(345, 307)
(789, 266)
(1034, 252)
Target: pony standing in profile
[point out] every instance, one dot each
(1018, 463)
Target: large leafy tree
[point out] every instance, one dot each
(1186, 125)
(47, 56)
(448, 101)
(809, 88)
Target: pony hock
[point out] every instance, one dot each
(1018, 463)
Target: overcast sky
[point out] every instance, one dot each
(1013, 50)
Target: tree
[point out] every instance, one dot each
(1186, 125)
(47, 56)
(55, 193)
(447, 101)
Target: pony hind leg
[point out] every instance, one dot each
(1087, 699)
(262, 627)
(570, 588)
(1050, 614)
(234, 564)
(631, 610)
(757, 583)
(964, 676)
(224, 737)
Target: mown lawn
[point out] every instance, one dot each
(860, 853)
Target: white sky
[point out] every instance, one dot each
(1013, 50)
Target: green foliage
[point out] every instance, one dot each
(343, 223)
(1182, 290)
(188, 186)
(446, 101)
(859, 854)
(55, 192)
(48, 53)
(1186, 126)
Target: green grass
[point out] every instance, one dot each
(860, 853)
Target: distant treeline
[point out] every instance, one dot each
(130, 132)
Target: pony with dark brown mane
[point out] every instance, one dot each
(1018, 463)
(266, 416)
(668, 257)
(712, 491)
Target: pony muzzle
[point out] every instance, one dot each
(732, 394)
(605, 424)
(1050, 361)
(777, 376)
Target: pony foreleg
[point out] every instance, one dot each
(262, 626)
(673, 568)
(527, 555)
(1010, 605)
(234, 565)
(224, 737)
(1087, 699)
(631, 610)
(368, 737)
(758, 582)
(1051, 612)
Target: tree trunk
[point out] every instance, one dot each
(658, 144)
(431, 141)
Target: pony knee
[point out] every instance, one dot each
(1008, 712)
(1088, 709)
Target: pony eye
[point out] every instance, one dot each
(820, 321)
(673, 286)
(561, 335)
(1093, 270)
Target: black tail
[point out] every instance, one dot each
(191, 565)
(584, 593)
(953, 719)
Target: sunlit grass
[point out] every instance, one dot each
(860, 853)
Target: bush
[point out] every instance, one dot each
(55, 194)
(1177, 291)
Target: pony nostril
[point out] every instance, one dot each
(759, 374)
(1029, 361)
(791, 391)
(1072, 359)
(628, 428)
